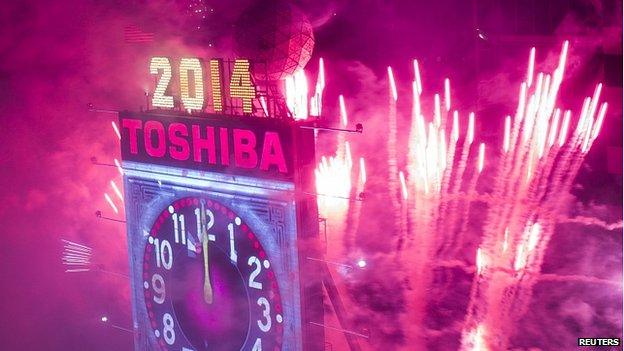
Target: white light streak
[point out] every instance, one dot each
(563, 134)
(455, 130)
(481, 261)
(393, 87)
(471, 127)
(403, 185)
(437, 117)
(362, 171)
(343, 111)
(118, 165)
(264, 105)
(599, 121)
(554, 128)
(417, 77)
(110, 202)
(116, 129)
(531, 68)
(447, 94)
(506, 135)
(481, 156)
(116, 190)
(297, 94)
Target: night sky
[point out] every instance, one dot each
(56, 57)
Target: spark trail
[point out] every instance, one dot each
(531, 175)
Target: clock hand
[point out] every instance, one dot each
(204, 237)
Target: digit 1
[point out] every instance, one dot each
(174, 217)
(183, 229)
(216, 72)
(157, 251)
(233, 255)
(198, 220)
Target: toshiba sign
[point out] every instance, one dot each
(259, 147)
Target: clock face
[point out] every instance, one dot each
(208, 282)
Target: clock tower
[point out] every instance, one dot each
(221, 218)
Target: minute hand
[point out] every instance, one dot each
(208, 296)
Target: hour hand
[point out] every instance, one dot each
(208, 296)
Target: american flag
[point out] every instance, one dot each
(134, 34)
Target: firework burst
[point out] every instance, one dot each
(434, 196)
(76, 257)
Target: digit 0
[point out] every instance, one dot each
(192, 65)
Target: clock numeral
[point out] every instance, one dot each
(209, 224)
(233, 255)
(158, 284)
(253, 260)
(164, 253)
(257, 345)
(266, 313)
(168, 332)
(179, 226)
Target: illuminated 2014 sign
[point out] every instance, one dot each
(190, 82)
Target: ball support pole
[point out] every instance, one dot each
(208, 296)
